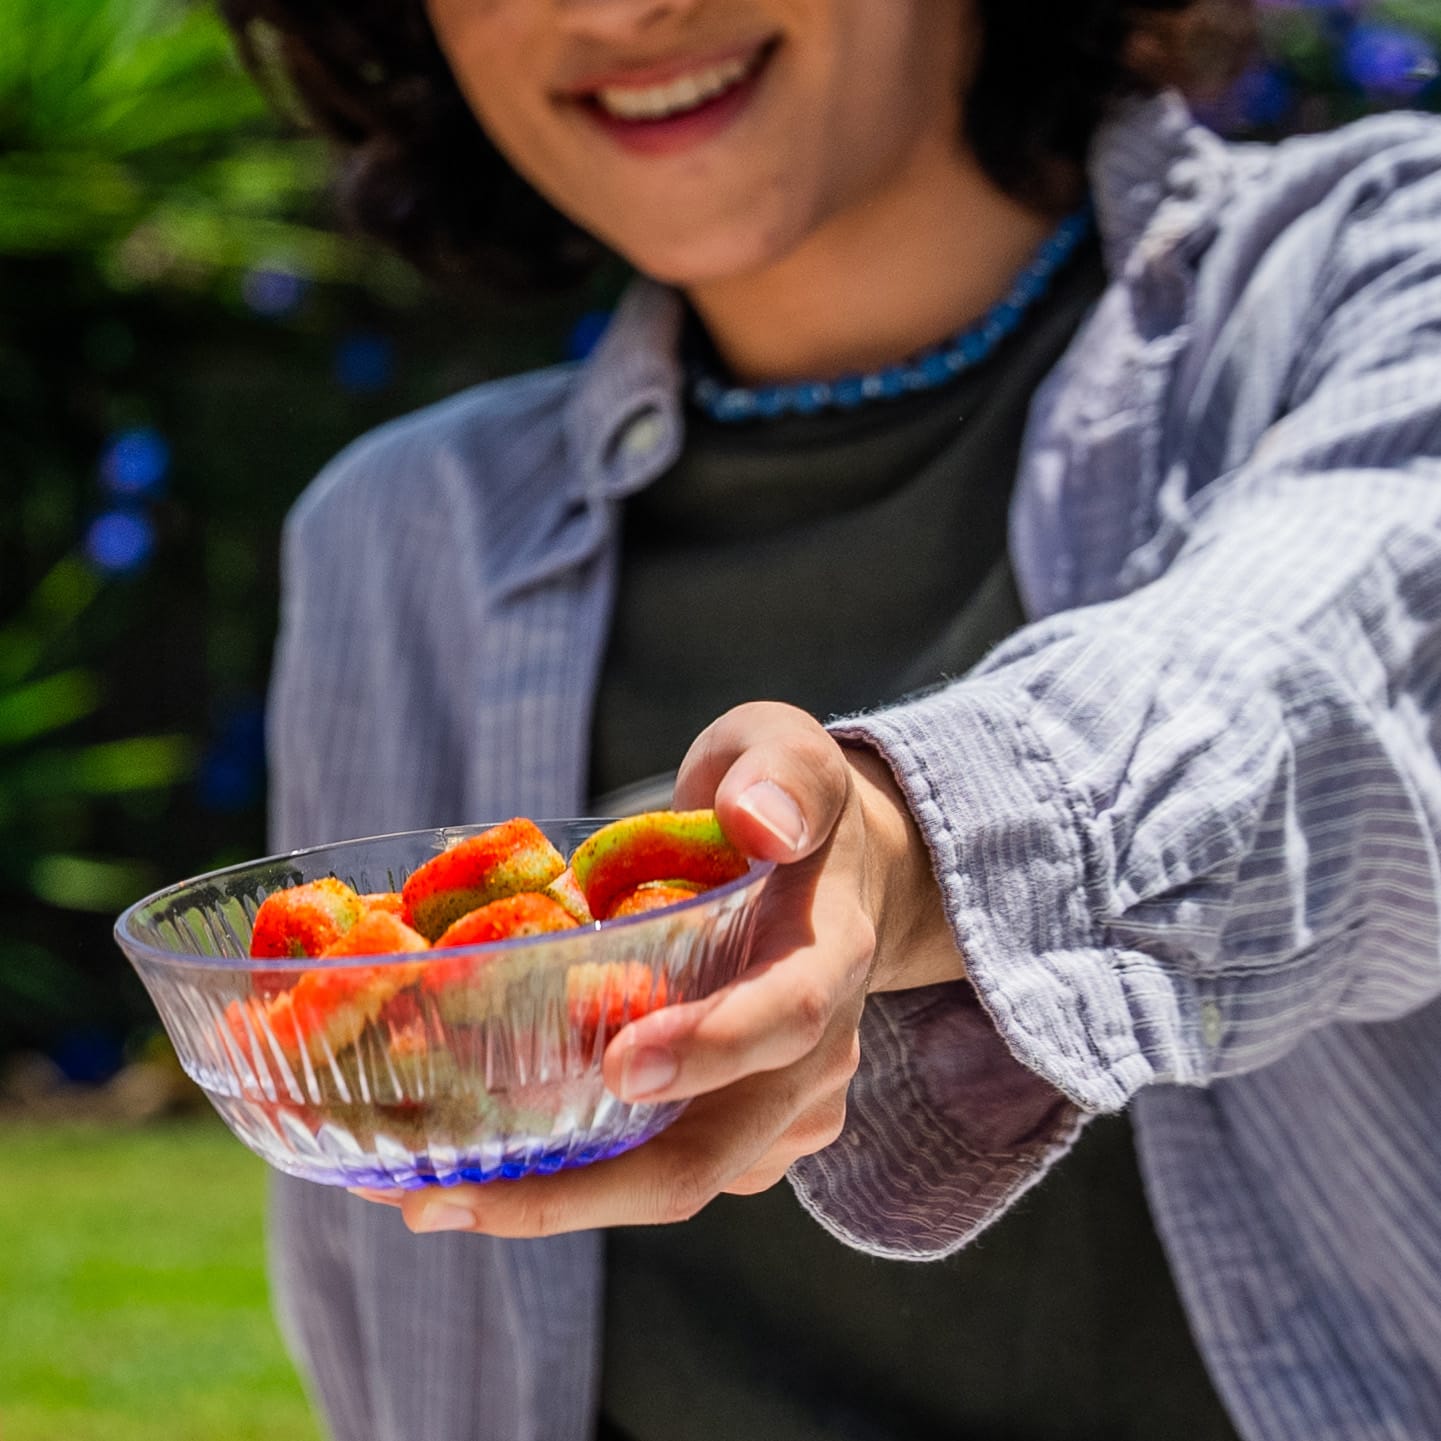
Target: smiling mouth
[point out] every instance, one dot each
(678, 96)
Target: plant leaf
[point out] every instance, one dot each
(110, 768)
(46, 705)
(87, 883)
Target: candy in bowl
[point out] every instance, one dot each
(353, 1017)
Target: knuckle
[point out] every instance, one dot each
(689, 1191)
(727, 1043)
(811, 1013)
(706, 754)
(847, 1063)
(759, 1178)
(540, 1214)
(823, 1127)
(751, 722)
(756, 714)
(747, 1185)
(861, 936)
(823, 762)
(857, 951)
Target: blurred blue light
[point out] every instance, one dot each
(1264, 96)
(365, 363)
(88, 1056)
(242, 729)
(1261, 99)
(228, 784)
(120, 541)
(1390, 63)
(585, 334)
(273, 292)
(232, 773)
(135, 462)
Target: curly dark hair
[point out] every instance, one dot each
(418, 172)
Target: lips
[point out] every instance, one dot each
(665, 106)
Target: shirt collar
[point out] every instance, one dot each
(623, 420)
(1159, 181)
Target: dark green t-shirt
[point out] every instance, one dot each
(840, 562)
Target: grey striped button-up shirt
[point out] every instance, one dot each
(1185, 822)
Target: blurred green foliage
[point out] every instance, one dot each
(48, 780)
(128, 134)
(170, 275)
(133, 154)
(1327, 62)
(136, 1309)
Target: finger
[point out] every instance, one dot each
(776, 1012)
(777, 780)
(763, 1177)
(818, 1126)
(668, 1179)
(815, 1129)
(380, 1198)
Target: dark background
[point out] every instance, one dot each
(184, 340)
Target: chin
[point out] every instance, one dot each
(710, 257)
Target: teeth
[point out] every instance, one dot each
(657, 102)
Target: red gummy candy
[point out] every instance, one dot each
(566, 889)
(601, 999)
(651, 896)
(378, 933)
(325, 1011)
(390, 901)
(528, 914)
(511, 857)
(302, 921)
(672, 846)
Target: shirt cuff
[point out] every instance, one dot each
(967, 1094)
(944, 1129)
(1008, 843)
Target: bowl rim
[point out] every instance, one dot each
(136, 948)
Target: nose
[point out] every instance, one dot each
(617, 18)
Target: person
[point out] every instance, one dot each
(1108, 551)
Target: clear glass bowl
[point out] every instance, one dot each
(421, 1075)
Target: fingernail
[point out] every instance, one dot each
(767, 804)
(443, 1216)
(647, 1069)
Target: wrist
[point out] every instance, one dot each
(914, 944)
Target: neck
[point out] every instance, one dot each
(879, 282)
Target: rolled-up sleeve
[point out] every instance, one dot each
(1179, 830)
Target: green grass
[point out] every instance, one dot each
(132, 1291)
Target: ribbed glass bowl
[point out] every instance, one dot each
(493, 1073)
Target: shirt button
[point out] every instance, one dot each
(1213, 1025)
(642, 434)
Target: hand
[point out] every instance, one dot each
(852, 907)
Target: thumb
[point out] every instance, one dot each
(777, 780)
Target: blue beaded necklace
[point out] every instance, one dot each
(734, 403)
